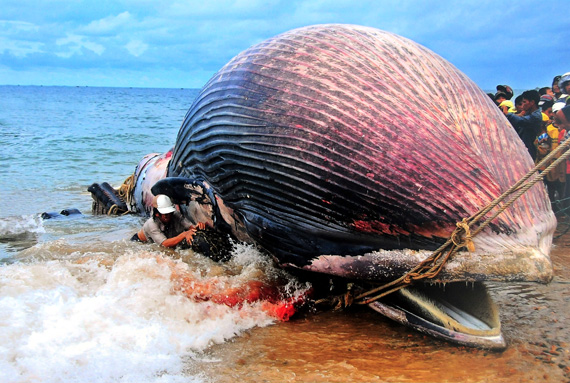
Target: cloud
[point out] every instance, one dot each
(19, 49)
(486, 40)
(75, 45)
(218, 9)
(136, 47)
(108, 24)
(13, 38)
(13, 27)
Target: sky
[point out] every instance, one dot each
(182, 43)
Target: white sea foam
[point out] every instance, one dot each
(31, 223)
(82, 321)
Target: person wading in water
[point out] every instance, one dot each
(167, 226)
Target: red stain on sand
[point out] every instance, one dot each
(235, 294)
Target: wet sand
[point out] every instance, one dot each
(358, 345)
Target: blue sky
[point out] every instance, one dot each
(181, 44)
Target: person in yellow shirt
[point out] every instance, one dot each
(508, 104)
(555, 180)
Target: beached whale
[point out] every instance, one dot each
(353, 152)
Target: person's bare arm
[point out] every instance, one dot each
(188, 235)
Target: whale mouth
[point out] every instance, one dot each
(459, 312)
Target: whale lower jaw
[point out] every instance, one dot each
(457, 312)
(524, 264)
(455, 305)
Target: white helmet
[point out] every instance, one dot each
(564, 79)
(558, 105)
(164, 204)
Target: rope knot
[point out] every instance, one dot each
(126, 190)
(467, 240)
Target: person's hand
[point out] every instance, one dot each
(189, 234)
(201, 226)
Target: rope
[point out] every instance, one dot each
(126, 190)
(113, 210)
(462, 236)
(564, 232)
(563, 211)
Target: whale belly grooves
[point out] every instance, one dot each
(339, 139)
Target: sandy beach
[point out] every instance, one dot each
(361, 346)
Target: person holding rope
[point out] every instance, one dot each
(167, 226)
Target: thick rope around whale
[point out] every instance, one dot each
(126, 193)
(461, 237)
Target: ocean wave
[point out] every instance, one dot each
(133, 314)
(23, 224)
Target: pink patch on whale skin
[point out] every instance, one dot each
(378, 227)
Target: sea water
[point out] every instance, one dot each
(79, 302)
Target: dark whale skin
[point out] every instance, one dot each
(341, 139)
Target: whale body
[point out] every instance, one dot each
(351, 151)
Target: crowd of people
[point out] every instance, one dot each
(541, 118)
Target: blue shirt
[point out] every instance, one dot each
(528, 127)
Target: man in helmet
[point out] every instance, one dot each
(562, 118)
(564, 85)
(167, 226)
